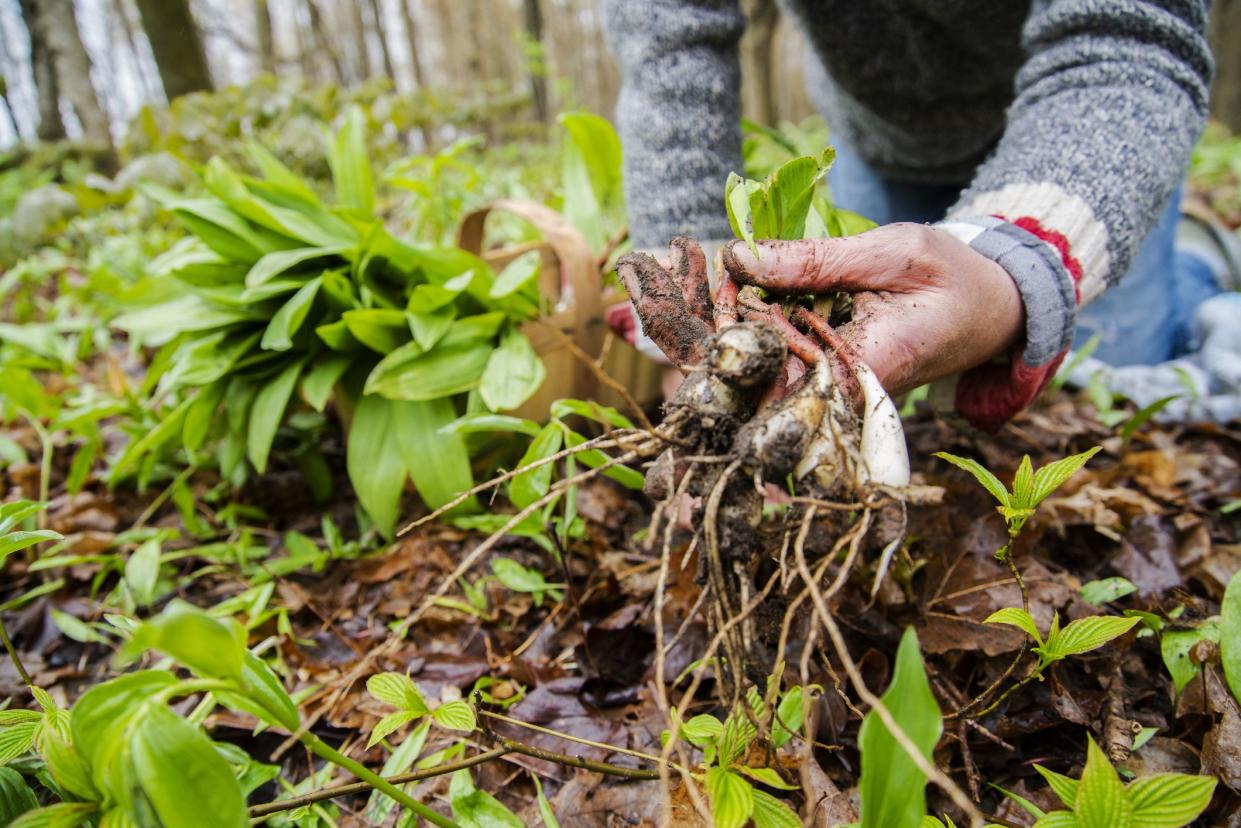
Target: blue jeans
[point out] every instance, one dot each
(1143, 320)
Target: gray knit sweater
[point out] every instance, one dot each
(1072, 120)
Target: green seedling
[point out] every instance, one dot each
(400, 691)
(731, 782)
(1100, 800)
(1029, 489)
(1080, 636)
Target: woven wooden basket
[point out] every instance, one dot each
(570, 276)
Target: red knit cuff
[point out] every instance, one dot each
(991, 394)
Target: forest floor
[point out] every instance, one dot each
(1147, 510)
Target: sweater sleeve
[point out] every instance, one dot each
(1109, 104)
(678, 113)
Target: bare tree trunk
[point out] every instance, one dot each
(267, 46)
(537, 65)
(377, 19)
(411, 35)
(361, 54)
(1226, 88)
(759, 92)
(177, 45)
(43, 64)
(322, 42)
(59, 28)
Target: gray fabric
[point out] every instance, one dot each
(1104, 98)
(1045, 287)
(1212, 370)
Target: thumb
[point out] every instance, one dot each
(874, 260)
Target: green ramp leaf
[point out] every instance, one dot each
(893, 790)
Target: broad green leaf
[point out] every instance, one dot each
(456, 715)
(731, 797)
(445, 370)
(438, 463)
(1057, 819)
(142, 571)
(210, 647)
(1230, 634)
(892, 788)
(17, 739)
(1016, 617)
(702, 730)
(175, 764)
(1106, 590)
(264, 696)
(104, 713)
(76, 629)
(402, 759)
(790, 715)
(383, 330)
(591, 410)
(17, 541)
(201, 414)
(593, 458)
(545, 807)
(15, 512)
(1101, 800)
(487, 422)
(517, 274)
(376, 468)
(278, 336)
(533, 483)
(738, 193)
(68, 767)
(391, 723)
(351, 169)
(398, 690)
(270, 404)
(513, 373)
(281, 261)
(522, 579)
(766, 776)
(591, 176)
(15, 796)
(988, 480)
(473, 808)
(770, 812)
(1054, 475)
(300, 222)
(1169, 800)
(1086, 634)
(1175, 645)
(429, 328)
(788, 193)
(1023, 482)
(57, 815)
(167, 429)
(318, 382)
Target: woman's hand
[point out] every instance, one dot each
(925, 305)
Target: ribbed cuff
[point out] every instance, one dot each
(989, 395)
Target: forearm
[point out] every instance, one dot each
(1109, 106)
(678, 113)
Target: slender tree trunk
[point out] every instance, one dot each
(266, 43)
(177, 45)
(361, 53)
(43, 64)
(1226, 88)
(322, 42)
(8, 108)
(537, 64)
(60, 32)
(305, 42)
(411, 35)
(377, 19)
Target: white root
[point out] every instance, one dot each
(885, 459)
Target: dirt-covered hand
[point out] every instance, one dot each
(925, 305)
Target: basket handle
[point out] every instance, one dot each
(579, 275)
